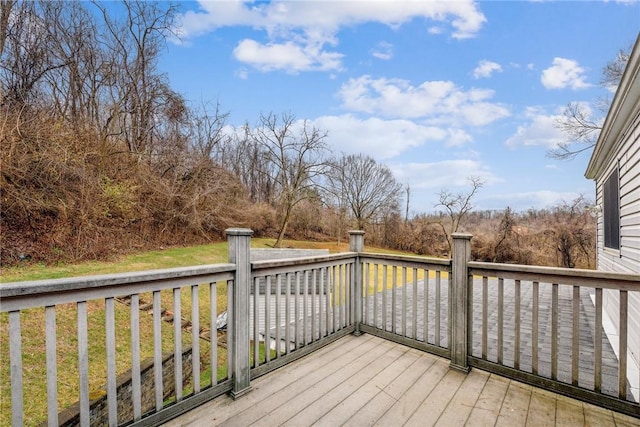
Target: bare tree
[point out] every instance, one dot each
(74, 89)
(5, 15)
(208, 137)
(297, 158)
(614, 69)
(26, 54)
(138, 92)
(407, 190)
(248, 160)
(580, 127)
(336, 198)
(457, 206)
(579, 123)
(572, 232)
(502, 250)
(366, 187)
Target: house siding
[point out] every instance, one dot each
(627, 259)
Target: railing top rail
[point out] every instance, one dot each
(445, 262)
(294, 262)
(567, 276)
(14, 289)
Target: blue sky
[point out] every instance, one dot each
(438, 91)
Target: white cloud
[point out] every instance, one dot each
(381, 139)
(457, 137)
(283, 16)
(438, 102)
(286, 56)
(444, 174)
(564, 73)
(486, 68)
(531, 199)
(300, 30)
(540, 130)
(213, 15)
(242, 74)
(383, 51)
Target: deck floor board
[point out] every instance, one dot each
(365, 380)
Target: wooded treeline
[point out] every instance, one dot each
(100, 156)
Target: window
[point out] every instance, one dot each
(612, 211)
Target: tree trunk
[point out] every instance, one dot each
(283, 228)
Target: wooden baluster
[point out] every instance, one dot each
(287, 315)
(15, 362)
(256, 322)
(516, 344)
(384, 296)
(622, 351)
(394, 298)
(267, 320)
(575, 344)
(52, 370)
(485, 315)
(213, 338)
(83, 362)
(278, 325)
(110, 331)
(177, 344)
(297, 311)
(375, 295)
(415, 304)
(305, 308)
(195, 337)
(500, 320)
(438, 302)
(597, 369)
(534, 328)
(554, 331)
(404, 302)
(425, 333)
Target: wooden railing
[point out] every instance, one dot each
(299, 306)
(539, 325)
(93, 301)
(518, 321)
(303, 305)
(547, 326)
(405, 299)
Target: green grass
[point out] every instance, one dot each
(152, 260)
(381, 284)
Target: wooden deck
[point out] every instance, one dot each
(362, 381)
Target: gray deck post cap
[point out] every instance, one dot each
(238, 231)
(465, 236)
(356, 232)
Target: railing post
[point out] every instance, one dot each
(458, 301)
(356, 244)
(239, 240)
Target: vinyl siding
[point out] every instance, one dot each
(627, 259)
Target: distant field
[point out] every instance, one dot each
(158, 259)
(152, 260)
